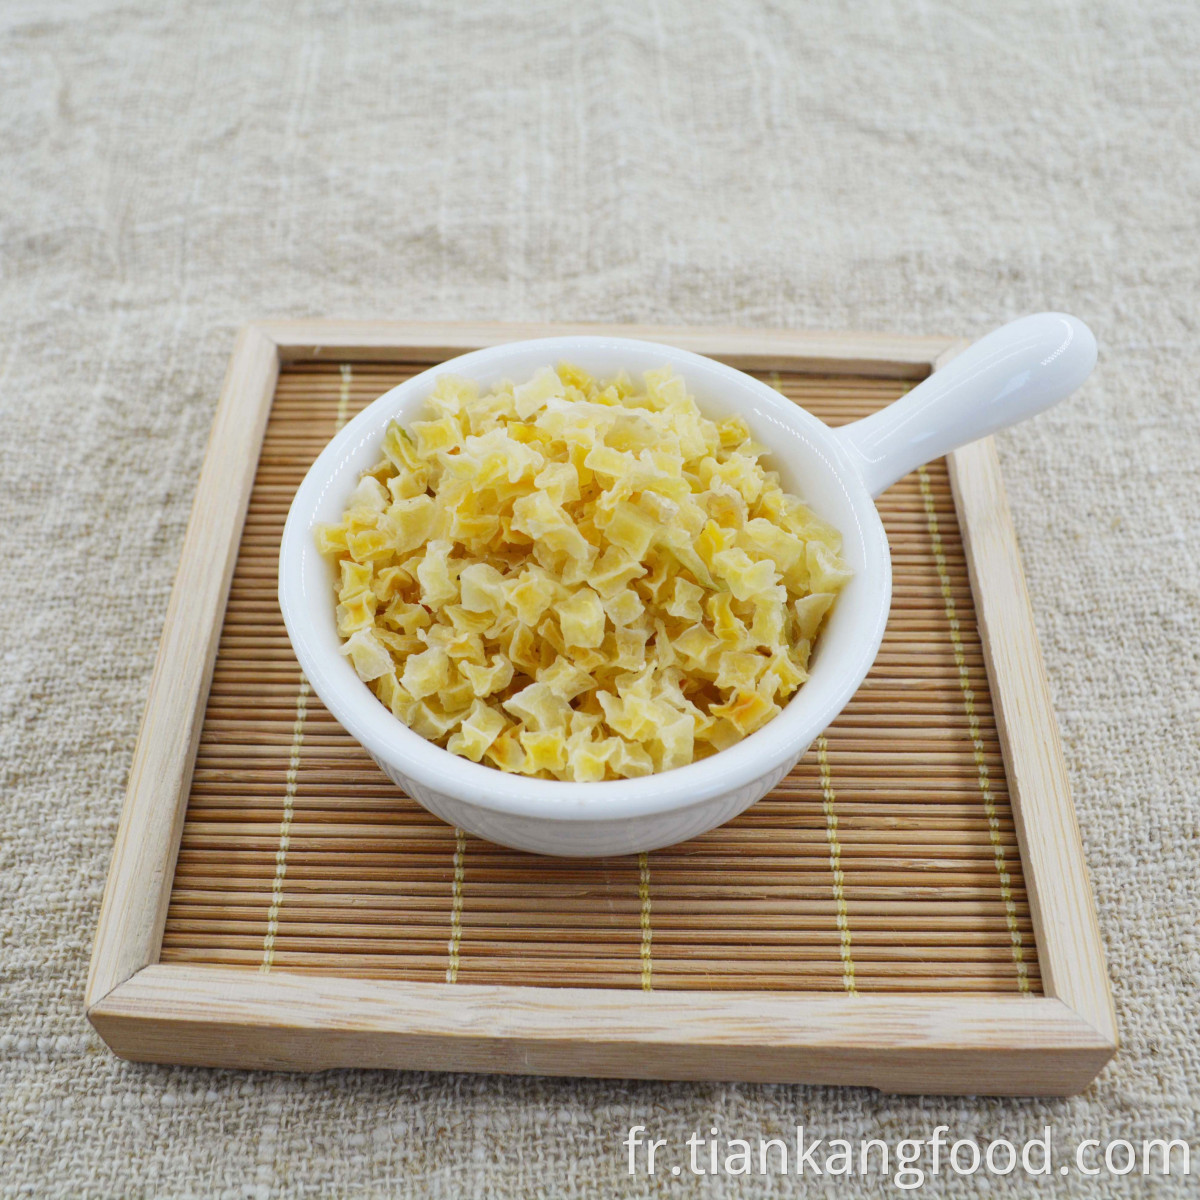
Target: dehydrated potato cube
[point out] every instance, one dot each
(630, 760)
(409, 523)
(539, 707)
(426, 673)
(486, 681)
(356, 613)
(369, 656)
(624, 608)
(810, 612)
(479, 730)
(581, 618)
(331, 539)
(826, 572)
(747, 711)
(630, 529)
(544, 750)
(738, 669)
(529, 594)
(369, 545)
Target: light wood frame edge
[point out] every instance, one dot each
(144, 1010)
(133, 911)
(890, 355)
(1062, 906)
(216, 1016)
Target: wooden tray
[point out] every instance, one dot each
(909, 910)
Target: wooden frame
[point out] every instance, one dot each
(145, 1010)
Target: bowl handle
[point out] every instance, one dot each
(1015, 372)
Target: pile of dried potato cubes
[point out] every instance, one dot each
(579, 581)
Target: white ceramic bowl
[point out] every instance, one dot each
(1013, 373)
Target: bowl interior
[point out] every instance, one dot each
(801, 448)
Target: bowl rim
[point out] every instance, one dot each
(390, 741)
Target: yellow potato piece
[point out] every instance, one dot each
(331, 539)
(579, 580)
(544, 751)
(477, 732)
(582, 619)
(426, 673)
(368, 654)
(631, 530)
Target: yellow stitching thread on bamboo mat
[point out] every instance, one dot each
(829, 798)
(456, 903)
(968, 696)
(289, 795)
(647, 933)
(285, 827)
(344, 394)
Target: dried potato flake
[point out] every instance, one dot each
(579, 580)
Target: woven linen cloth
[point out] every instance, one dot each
(173, 170)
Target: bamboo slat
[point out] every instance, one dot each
(882, 864)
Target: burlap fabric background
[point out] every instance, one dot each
(170, 170)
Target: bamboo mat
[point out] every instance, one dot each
(886, 862)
